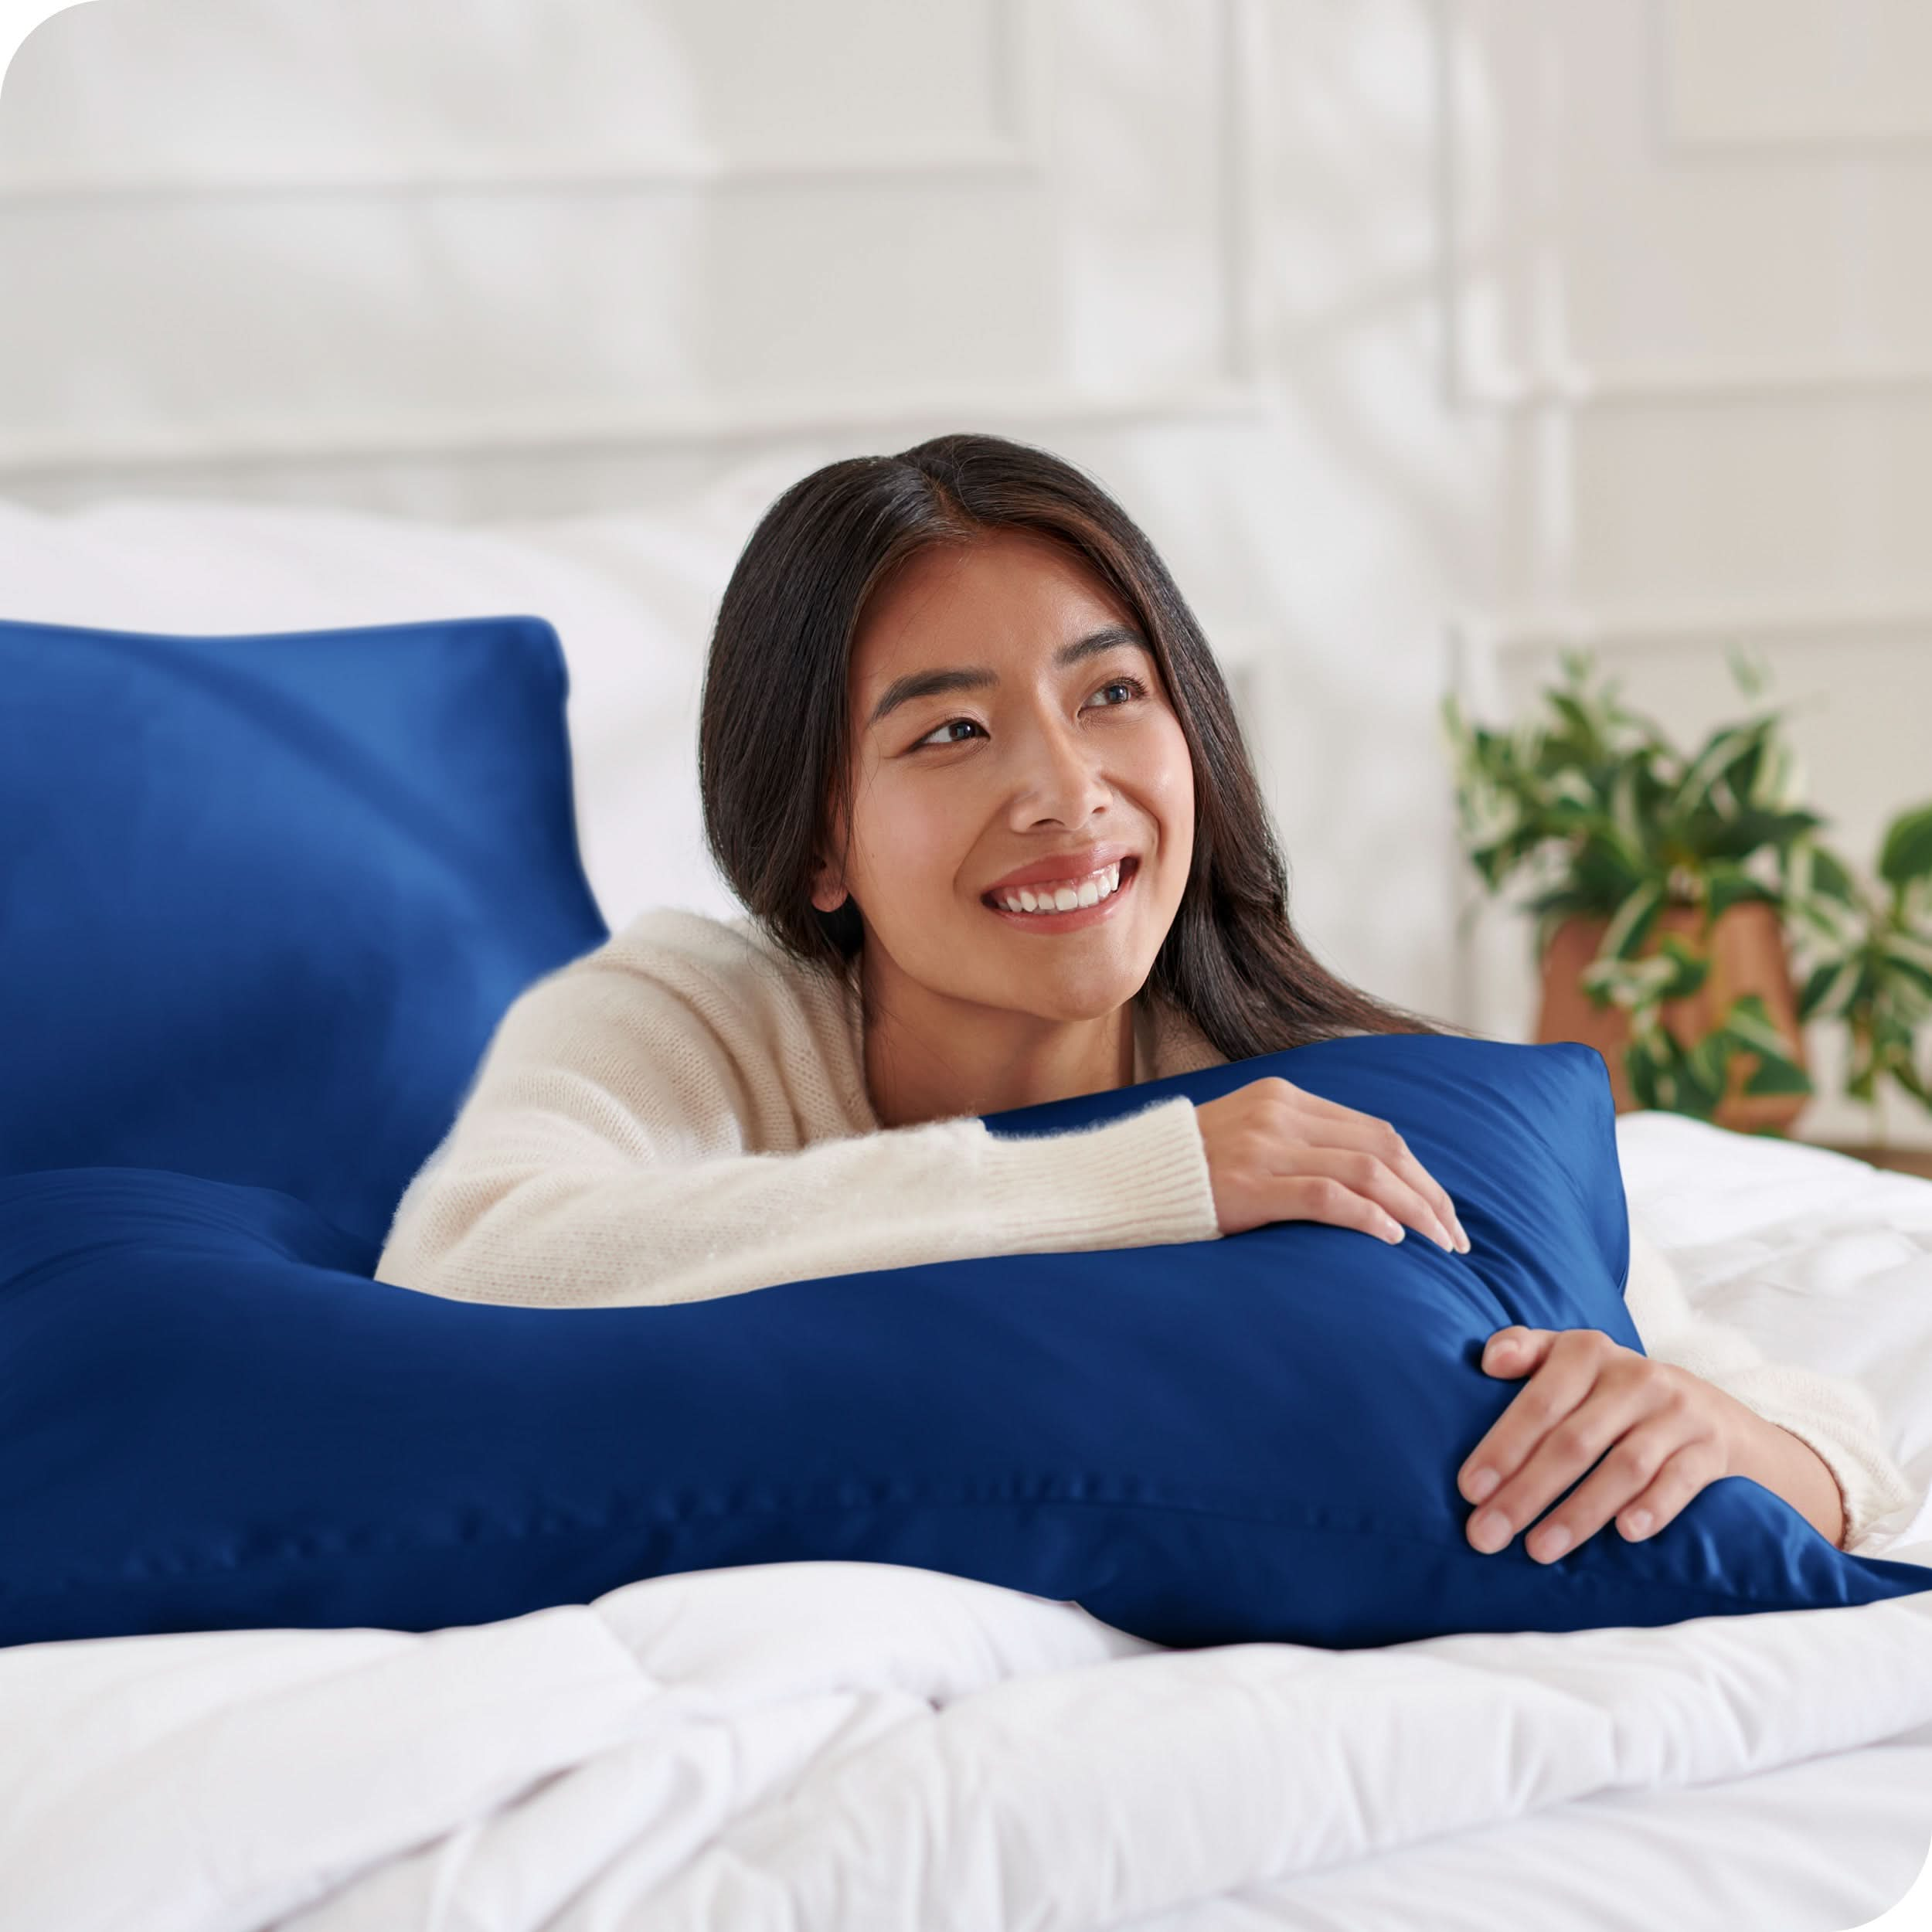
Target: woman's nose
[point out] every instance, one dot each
(1063, 779)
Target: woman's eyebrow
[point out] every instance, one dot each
(926, 684)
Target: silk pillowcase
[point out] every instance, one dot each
(211, 1417)
(266, 897)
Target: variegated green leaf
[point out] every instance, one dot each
(1724, 746)
(1911, 953)
(1777, 1077)
(1727, 886)
(1749, 1023)
(1752, 677)
(1623, 807)
(1706, 1070)
(1692, 966)
(1571, 786)
(1891, 1033)
(1833, 925)
(1830, 879)
(1643, 1085)
(1632, 921)
(1829, 989)
(1740, 834)
(1907, 852)
(1776, 784)
(1915, 1083)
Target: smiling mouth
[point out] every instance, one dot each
(1062, 917)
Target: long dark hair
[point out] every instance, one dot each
(774, 751)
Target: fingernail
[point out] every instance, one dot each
(1445, 1240)
(1638, 1523)
(1490, 1532)
(1482, 1485)
(1460, 1235)
(1393, 1232)
(1551, 1545)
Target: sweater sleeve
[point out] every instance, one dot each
(601, 1159)
(1833, 1416)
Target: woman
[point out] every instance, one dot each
(968, 759)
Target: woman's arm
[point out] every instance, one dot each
(1787, 1466)
(1815, 1440)
(601, 1159)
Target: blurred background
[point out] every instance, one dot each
(1427, 338)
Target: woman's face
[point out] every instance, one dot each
(1052, 752)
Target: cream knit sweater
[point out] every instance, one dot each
(682, 1114)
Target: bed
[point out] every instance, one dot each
(857, 1745)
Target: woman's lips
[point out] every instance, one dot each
(1079, 915)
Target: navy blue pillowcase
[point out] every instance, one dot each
(263, 899)
(211, 1418)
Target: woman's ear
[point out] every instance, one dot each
(827, 892)
(828, 875)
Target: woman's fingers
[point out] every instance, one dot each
(1321, 1197)
(1510, 1472)
(1371, 1177)
(1675, 1470)
(1628, 1426)
(1275, 1153)
(1606, 1436)
(1342, 1126)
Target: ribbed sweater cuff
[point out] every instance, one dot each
(1134, 1182)
(1871, 1485)
(1866, 1494)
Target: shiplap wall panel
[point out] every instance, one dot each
(448, 226)
(1847, 72)
(1702, 297)
(494, 90)
(1755, 509)
(1593, 258)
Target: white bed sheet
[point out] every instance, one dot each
(852, 1746)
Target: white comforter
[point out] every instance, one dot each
(852, 1746)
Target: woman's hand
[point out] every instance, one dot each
(1661, 1433)
(1277, 1153)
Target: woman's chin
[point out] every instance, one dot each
(1073, 990)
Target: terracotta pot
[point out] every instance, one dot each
(1747, 955)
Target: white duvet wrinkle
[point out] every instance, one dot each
(1825, 1843)
(850, 1626)
(1149, 1782)
(589, 1848)
(1726, 1696)
(261, 1807)
(127, 1697)
(1153, 1782)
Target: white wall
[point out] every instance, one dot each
(1686, 263)
(1423, 335)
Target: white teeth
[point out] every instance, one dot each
(1063, 899)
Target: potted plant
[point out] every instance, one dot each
(1871, 957)
(1673, 889)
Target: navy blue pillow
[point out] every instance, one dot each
(211, 1418)
(262, 899)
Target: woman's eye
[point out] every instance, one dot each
(1132, 685)
(934, 734)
